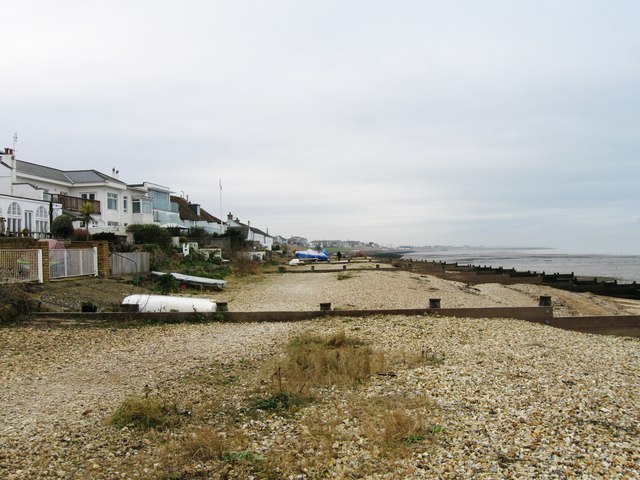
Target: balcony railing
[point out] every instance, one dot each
(74, 203)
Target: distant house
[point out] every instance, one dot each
(116, 204)
(193, 216)
(299, 241)
(249, 233)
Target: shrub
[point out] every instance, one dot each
(105, 236)
(15, 303)
(242, 265)
(151, 234)
(197, 232)
(166, 283)
(62, 226)
(80, 235)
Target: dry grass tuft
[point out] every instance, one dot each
(397, 423)
(317, 361)
(146, 413)
(205, 444)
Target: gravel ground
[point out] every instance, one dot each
(398, 289)
(514, 400)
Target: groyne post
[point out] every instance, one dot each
(545, 301)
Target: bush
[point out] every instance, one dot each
(15, 303)
(197, 232)
(166, 284)
(106, 236)
(243, 265)
(151, 234)
(62, 226)
(80, 235)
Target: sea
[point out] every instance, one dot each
(623, 268)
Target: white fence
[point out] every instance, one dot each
(21, 266)
(73, 262)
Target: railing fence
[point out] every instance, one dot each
(18, 266)
(74, 262)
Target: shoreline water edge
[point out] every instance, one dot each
(624, 268)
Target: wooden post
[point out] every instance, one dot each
(325, 307)
(222, 307)
(434, 303)
(545, 301)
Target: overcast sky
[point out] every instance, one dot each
(505, 123)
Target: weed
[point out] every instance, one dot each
(317, 361)
(204, 444)
(146, 413)
(344, 275)
(229, 380)
(280, 402)
(426, 356)
(243, 456)
(392, 427)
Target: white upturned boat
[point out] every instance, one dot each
(166, 303)
(193, 280)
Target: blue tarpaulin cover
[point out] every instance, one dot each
(312, 255)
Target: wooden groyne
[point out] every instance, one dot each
(507, 276)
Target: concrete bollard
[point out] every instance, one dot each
(313, 267)
(325, 307)
(545, 301)
(222, 307)
(434, 303)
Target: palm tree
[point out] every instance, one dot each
(86, 212)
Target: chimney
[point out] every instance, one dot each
(195, 208)
(229, 216)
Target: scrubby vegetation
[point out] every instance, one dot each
(16, 302)
(311, 373)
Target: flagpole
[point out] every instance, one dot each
(221, 218)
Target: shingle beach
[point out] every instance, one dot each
(507, 398)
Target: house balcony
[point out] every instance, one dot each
(74, 203)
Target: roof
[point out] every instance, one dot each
(69, 176)
(186, 213)
(245, 227)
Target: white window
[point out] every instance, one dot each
(28, 219)
(125, 205)
(113, 224)
(141, 205)
(88, 196)
(14, 218)
(112, 201)
(42, 220)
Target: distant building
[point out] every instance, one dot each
(250, 234)
(193, 216)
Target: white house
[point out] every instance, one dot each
(23, 207)
(116, 204)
